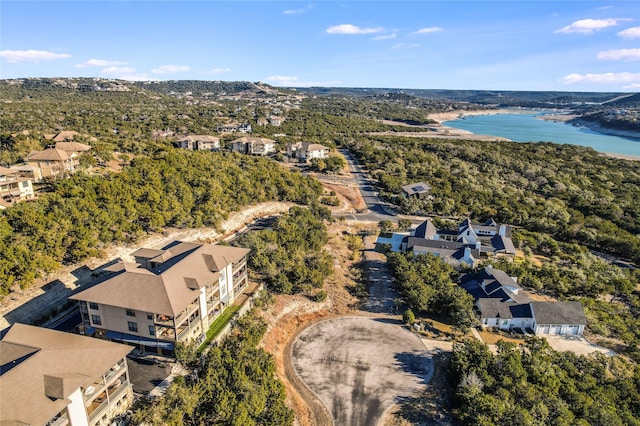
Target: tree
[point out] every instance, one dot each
(386, 226)
(408, 317)
(404, 224)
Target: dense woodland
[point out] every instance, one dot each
(290, 257)
(570, 192)
(566, 202)
(535, 385)
(235, 385)
(81, 215)
(427, 285)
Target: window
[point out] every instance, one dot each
(150, 317)
(131, 313)
(93, 306)
(152, 330)
(96, 319)
(25, 184)
(133, 326)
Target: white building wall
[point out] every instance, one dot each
(76, 411)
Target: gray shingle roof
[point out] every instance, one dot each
(559, 313)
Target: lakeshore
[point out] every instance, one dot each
(560, 119)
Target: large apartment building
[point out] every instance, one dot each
(52, 378)
(166, 296)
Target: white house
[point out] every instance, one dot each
(305, 151)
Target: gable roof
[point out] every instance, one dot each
(559, 313)
(494, 308)
(50, 362)
(181, 268)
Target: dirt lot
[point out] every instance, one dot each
(336, 359)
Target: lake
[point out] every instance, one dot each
(527, 128)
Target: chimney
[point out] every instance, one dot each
(503, 230)
(478, 244)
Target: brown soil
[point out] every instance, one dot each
(350, 197)
(290, 315)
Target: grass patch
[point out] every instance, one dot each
(217, 325)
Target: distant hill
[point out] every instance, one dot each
(531, 99)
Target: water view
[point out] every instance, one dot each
(527, 128)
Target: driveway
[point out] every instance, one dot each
(576, 344)
(359, 367)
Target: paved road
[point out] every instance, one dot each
(376, 209)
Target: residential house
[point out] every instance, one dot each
(53, 162)
(305, 151)
(558, 317)
(199, 143)
(232, 128)
(276, 121)
(53, 378)
(253, 145)
(464, 247)
(419, 190)
(72, 147)
(13, 187)
(166, 296)
(501, 303)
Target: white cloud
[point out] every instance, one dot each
(588, 26)
(298, 11)
(352, 29)
(405, 46)
(605, 7)
(385, 37)
(428, 30)
(282, 79)
(168, 69)
(285, 80)
(218, 71)
(137, 77)
(118, 70)
(35, 56)
(609, 77)
(634, 86)
(630, 33)
(100, 63)
(620, 55)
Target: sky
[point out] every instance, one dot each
(537, 45)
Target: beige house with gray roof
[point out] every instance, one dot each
(253, 145)
(53, 162)
(166, 296)
(53, 378)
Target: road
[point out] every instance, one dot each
(377, 210)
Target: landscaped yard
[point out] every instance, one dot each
(218, 324)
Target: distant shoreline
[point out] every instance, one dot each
(564, 118)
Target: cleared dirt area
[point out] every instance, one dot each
(359, 367)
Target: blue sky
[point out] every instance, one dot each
(502, 45)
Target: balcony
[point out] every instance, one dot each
(163, 320)
(186, 329)
(99, 405)
(60, 420)
(193, 307)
